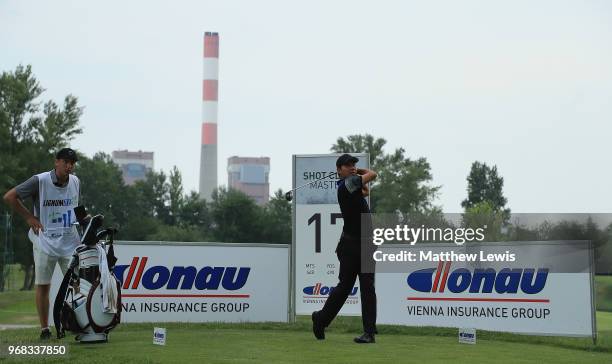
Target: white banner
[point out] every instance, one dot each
(200, 282)
(546, 290)
(317, 225)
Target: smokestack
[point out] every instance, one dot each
(208, 154)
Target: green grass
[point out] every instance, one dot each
(270, 342)
(18, 307)
(603, 292)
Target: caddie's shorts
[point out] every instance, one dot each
(44, 265)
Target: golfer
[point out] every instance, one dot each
(352, 189)
(54, 237)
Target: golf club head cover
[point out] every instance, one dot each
(89, 236)
(81, 215)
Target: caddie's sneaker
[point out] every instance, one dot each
(45, 334)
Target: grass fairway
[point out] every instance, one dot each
(272, 343)
(268, 342)
(17, 307)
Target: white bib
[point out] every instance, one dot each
(59, 236)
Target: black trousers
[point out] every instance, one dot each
(348, 252)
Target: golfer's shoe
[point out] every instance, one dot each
(45, 334)
(317, 328)
(366, 338)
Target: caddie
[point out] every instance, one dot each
(53, 235)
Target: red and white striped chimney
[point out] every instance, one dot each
(210, 87)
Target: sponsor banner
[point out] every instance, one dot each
(317, 225)
(200, 282)
(550, 292)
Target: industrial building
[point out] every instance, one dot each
(251, 176)
(134, 165)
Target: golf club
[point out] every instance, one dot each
(289, 194)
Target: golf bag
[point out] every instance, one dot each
(86, 303)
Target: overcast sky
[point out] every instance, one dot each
(524, 85)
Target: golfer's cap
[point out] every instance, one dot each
(346, 159)
(67, 154)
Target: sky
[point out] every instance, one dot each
(523, 85)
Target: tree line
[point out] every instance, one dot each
(158, 208)
(404, 188)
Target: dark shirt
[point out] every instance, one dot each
(352, 205)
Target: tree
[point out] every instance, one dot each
(577, 230)
(237, 218)
(102, 188)
(189, 217)
(277, 219)
(402, 185)
(175, 233)
(604, 259)
(148, 207)
(485, 184)
(153, 196)
(175, 196)
(19, 91)
(28, 140)
(484, 216)
(363, 144)
(59, 126)
(159, 210)
(195, 212)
